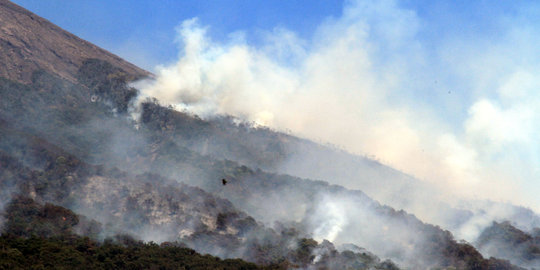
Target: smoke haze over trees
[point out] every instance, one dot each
(97, 168)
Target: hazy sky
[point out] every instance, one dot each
(447, 91)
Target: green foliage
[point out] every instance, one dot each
(511, 243)
(504, 232)
(304, 252)
(107, 82)
(25, 218)
(256, 147)
(83, 253)
(51, 111)
(41, 237)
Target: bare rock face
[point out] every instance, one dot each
(29, 42)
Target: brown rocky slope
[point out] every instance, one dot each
(29, 42)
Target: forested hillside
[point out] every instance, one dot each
(93, 174)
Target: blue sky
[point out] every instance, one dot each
(145, 27)
(448, 91)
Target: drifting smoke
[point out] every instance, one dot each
(460, 114)
(331, 218)
(345, 218)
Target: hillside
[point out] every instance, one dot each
(506, 241)
(43, 236)
(147, 206)
(75, 139)
(148, 149)
(29, 43)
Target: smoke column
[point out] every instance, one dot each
(458, 112)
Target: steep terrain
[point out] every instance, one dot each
(155, 208)
(29, 43)
(506, 241)
(147, 206)
(42, 236)
(326, 211)
(223, 137)
(72, 137)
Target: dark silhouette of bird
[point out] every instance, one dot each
(223, 181)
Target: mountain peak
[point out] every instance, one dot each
(29, 42)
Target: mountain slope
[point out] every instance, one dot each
(42, 236)
(29, 42)
(67, 139)
(147, 206)
(506, 241)
(224, 137)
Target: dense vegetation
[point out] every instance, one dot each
(108, 83)
(73, 146)
(506, 241)
(38, 235)
(83, 253)
(88, 179)
(42, 237)
(34, 166)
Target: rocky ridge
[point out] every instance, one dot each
(29, 43)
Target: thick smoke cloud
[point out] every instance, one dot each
(456, 111)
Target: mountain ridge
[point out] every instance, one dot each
(30, 42)
(136, 169)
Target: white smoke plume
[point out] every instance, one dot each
(331, 218)
(457, 112)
